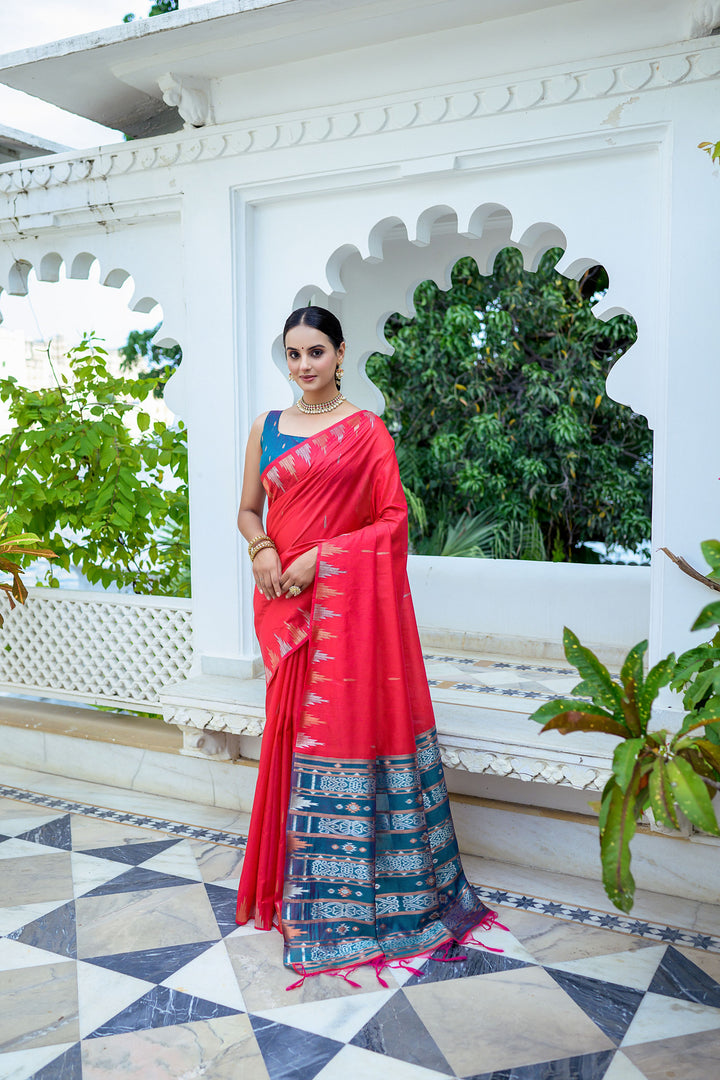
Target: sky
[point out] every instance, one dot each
(62, 308)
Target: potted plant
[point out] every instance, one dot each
(669, 773)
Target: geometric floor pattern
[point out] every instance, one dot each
(120, 957)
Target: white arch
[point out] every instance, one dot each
(363, 291)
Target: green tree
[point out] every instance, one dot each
(159, 363)
(495, 395)
(161, 8)
(113, 503)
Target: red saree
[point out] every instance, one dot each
(351, 841)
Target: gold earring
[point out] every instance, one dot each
(291, 377)
(339, 372)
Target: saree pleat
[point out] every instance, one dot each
(263, 871)
(351, 841)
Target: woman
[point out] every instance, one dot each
(351, 842)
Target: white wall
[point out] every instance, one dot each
(520, 606)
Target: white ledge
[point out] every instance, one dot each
(213, 712)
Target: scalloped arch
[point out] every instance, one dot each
(78, 267)
(364, 287)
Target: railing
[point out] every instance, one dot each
(116, 650)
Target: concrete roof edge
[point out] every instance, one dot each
(138, 28)
(28, 139)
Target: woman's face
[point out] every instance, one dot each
(312, 358)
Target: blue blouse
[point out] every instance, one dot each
(273, 443)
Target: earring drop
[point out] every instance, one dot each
(339, 372)
(291, 377)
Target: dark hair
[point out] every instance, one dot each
(320, 319)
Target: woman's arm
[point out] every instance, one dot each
(266, 564)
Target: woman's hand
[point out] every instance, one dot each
(301, 572)
(267, 570)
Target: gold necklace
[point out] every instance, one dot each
(322, 406)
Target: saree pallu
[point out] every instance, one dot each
(351, 822)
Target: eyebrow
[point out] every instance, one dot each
(294, 348)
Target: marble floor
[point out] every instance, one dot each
(120, 957)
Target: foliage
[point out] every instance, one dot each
(160, 8)
(483, 535)
(712, 149)
(160, 363)
(496, 398)
(72, 472)
(21, 544)
(664, 772)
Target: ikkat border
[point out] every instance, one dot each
(125, 817)
(604, 920)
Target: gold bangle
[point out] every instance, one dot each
(258, 547)
(256, 540)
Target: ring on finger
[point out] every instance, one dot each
(294, 590)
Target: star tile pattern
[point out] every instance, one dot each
(120, 958)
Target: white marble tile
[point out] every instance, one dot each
(20, 823)
(24, 1064)
(621, 1068)
(103, 994)
(16, 954)
(12, 918)
(338, 1018)
(232, 883)
(635, 969)
(89, 872)
(209, 976)
(178, 860)
(353, 1063)
(24, 849)
(660, 1017)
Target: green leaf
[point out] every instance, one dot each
(662, 802)
(618, 829)
(625, 760)
(632, 668)
(143, 421)
(710, 751)
(711, 553)
(709, 616)
(551, 709)
(709, 714)
(658, 676)
(691, 795)
(569, 722)
(595, 675)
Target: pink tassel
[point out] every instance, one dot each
(476, 941)
(406, 967)
(343, 975)
(447, 946)
(489, 921)
(379, 964)
(300, 982)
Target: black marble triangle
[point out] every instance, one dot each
(66, 1067)
(134, 854)
(54, 931)
(290, 1053)
(53, 834)
(582, 1067)
(140, 877)
(608, 1005)
(397, 1031)
(459, 963)
(152, 965)
(162, 1007)
(224, 904)
(678, 977)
